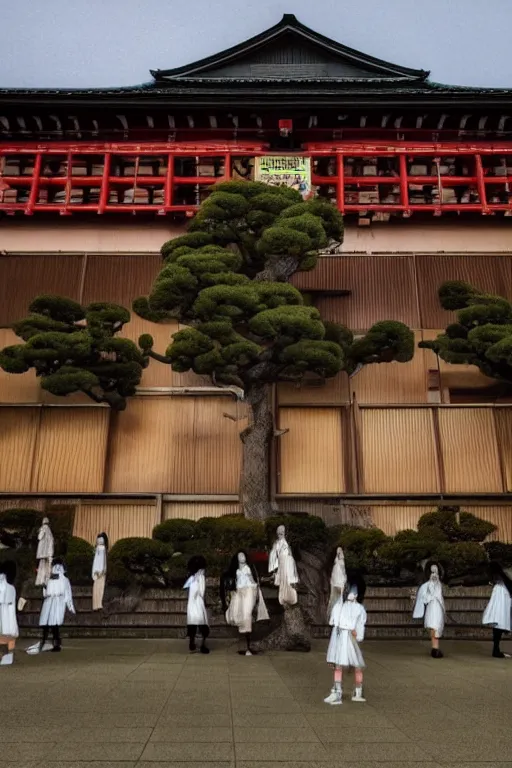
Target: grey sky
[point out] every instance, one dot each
(80, 43)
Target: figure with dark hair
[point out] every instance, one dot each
(8, 623)
(429, 606)
(99, 571)
(348, 621)
(240, 585)
(498, 609)
(197, 617)
(57, 597)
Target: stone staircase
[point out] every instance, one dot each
(162, 613)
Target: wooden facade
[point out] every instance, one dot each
(402, 158)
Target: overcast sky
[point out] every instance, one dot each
(80, 43)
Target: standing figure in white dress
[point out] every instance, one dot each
(497, 613)
(45, 552)
(197, 617)
(99, 571)
(282, 563)
(57, 597)
(8, 623)
(338, 579)
(348, 620)
(240, 586)
(430, 606)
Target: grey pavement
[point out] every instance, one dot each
(149, 704)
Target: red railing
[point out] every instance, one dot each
(360, 177)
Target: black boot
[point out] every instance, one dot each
(436, 653)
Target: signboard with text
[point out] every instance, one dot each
(285, 170)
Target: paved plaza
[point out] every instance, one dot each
(128, 703)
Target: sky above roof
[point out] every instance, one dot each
(96, 43)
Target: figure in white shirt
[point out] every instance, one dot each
(8, 623)
(197, 617)
(240, 587)
(282, 563)
(57, 597)
(348, 620)
(99, 571)
(338, 579)
(44, 554)
(430, 607)
(497, 613)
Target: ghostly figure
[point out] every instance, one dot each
(282, 563)
(348, 620)
(240, 585)
(497, 613)
(197, 617)
(338, 579)
(430, 607)
(57, 597)
(8, 623)
(45, 552)
(99, 571)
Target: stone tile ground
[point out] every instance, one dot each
(149, 704)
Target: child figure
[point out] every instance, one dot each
(197, 617)
(8, 623)
(430, 605)
(57, 597)
(498, 609)
(348, 621)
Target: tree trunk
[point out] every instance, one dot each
(256, 440)
(292, 634)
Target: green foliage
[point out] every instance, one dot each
(302, 531)
(175, 532)
(141, 561)
(224, 535)
(500, 552)
(22, 523)
(79, 558)
(232, 270)
(482, 335)
(25, 567)
(408, 549)
(75, 349)
(444, 520)
(361, 546)
(462, 560)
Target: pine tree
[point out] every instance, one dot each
(482, 333)
(75, 349)
(247, 326)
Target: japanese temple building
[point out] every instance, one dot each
(93, 181)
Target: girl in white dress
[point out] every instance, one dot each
(8, 624)
(44, 554)
(497, 613)
(282, 563)
(99, 571)
(429, 606)
(240, 585)
(338, 579)
(348, 621)
(197, 617)
(57, 597)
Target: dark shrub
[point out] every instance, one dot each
(444, 519)
(407, 550)
(175, 532)
(303, 531)
(22, 524)
(361, 546)
(228, 533)
(464, 561)
(25, 567)
(139, 561)
(502, 553)
(61, 519)
(79, 556)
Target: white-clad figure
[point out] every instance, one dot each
(348, 621)
(8, 623)
(338, 579)
(197, 616)
(99, 571)
(57, 597)
(497, 613)
(430, 607)
(282, 563)
(45, 552)
(240, 586)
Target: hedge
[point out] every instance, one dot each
(175, 532)
(141, 561)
